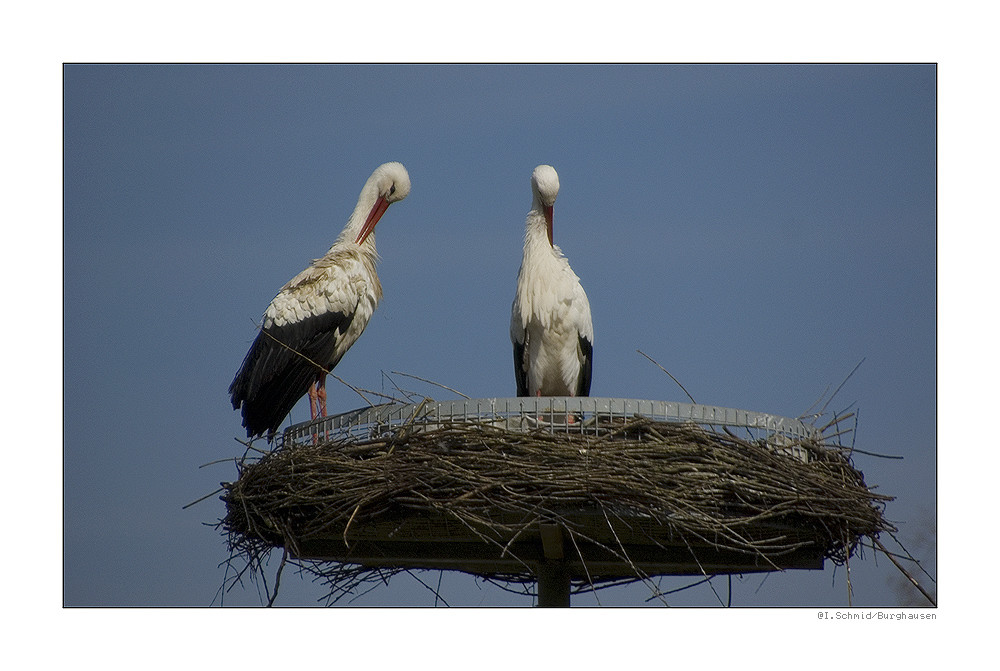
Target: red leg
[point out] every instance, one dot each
(313, 396)
(321, 393)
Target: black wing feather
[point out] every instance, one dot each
(281, 365)
(587, 348)
(520, 374)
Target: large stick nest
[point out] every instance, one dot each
(704, 488)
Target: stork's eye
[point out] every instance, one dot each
(392, 189)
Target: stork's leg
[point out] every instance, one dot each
(313, 404)
(313, 400)
(321, 393)
(320, 386)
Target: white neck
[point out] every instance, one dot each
(369, 194)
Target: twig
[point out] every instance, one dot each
(912, 580)
(436, 592)
(911, 557)
(668, 373)
(277, 577)
(249, 445)
(220, 489)
(348, 525)
(837, 390)
(355, 389)
(260, 327)
(407, 394)
(436, 384)
(876, 454)
(815, 403)
(583, 561)
(847, 565)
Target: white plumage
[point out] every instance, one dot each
(317, 316)
(550, 324)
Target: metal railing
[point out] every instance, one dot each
(556, 414)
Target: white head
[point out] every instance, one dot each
(544, 190)
(545, 185)
(388, 184)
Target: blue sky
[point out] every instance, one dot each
(758, 230)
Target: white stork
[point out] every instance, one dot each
(550, 325)
(317, 316)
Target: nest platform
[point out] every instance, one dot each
(555, 490)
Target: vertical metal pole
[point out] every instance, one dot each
(553, 584)
(552, 575)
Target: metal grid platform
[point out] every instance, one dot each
(556, 414)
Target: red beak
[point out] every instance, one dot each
(378, 209)
(548, 221)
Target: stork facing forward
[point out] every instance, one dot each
(550, 324)
(317, 316)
